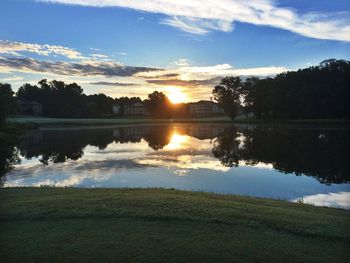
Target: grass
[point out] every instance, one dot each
(42, 121)
(153, 225)
(45, 121)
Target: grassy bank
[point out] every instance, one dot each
(85, 225)
(43, 121)
(101, 121)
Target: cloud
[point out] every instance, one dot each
(201, 17)
(13, 79)
(89, 68)
(185, 83)
(182, 62)
(160, 76)
(13, 48)
(193, 75)
(115, 84)
(99, 56)
(196, 25)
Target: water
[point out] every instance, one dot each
(280, 162)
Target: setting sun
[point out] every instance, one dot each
(176, 95)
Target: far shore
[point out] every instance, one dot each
(46, 121)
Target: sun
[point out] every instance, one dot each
(176, 95)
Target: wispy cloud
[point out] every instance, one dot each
(201, 17)
(89, 68)
(185, 83)
(15, 48)
(198, 26)
(114, 84)
(198, 75)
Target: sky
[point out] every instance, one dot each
(180, 47)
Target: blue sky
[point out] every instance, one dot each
(134, 47)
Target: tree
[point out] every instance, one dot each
(7, 102)
(57, 98)
(228, 94)
(158, 105)
(316, 92)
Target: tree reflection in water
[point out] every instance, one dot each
(321, 153)
(9, 156)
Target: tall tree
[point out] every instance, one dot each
(7, 102)
(228, 94)
(158, 105)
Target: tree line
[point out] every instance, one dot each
(318, 92)
(59, 99)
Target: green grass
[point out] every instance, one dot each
(153, 225)
(42, 121)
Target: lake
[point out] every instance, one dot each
(287, 162)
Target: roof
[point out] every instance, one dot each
(203, 102)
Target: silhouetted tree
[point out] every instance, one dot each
(228, 94)
(7, 102)
(158, 105)
(315, 92)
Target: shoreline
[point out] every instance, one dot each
(43, 121)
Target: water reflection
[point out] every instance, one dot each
(243, 159)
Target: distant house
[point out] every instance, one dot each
(130, 108)
(205, 108)
(28, 107)
(137, 108)
(116, 109)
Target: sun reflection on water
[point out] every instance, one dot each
(177, 141)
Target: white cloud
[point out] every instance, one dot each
(196, 25)
(99, 56)
(182, 62)
(185, 72)
(14, 48)
(201, 17)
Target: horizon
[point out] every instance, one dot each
(130, 48)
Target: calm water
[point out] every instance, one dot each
(281, 162)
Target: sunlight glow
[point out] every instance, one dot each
(176, 141)
(176, 95)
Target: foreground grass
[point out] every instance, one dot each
(86, 225)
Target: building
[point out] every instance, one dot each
(116, 109)
(28, 107)
(131, 108)
(137, 108)
(205, 108)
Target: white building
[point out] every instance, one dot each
(205, 108)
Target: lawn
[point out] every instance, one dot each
(153, 225)
(40, 121)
